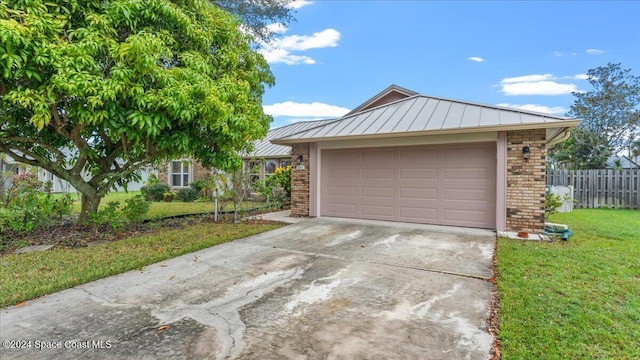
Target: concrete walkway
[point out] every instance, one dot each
(319, 289)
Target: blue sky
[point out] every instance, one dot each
(521, 54)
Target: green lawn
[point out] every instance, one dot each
(26, 276)
(573, 300)
(162, 209)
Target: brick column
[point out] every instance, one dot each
(526, 180)
(300, 181)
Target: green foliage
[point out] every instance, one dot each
(282, 179)
(168, 196)
(135, 209)
(116, 217)
(609, 114)
(152, 179)
(552, 203)
(26, 207)
(187, 195)
(257, 15)
(154, 192)
(134, 81)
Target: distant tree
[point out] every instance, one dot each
(92, 91)
(256, 15)
(583, 150)
(612, 108)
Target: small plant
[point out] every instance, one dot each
(187, 194)
(552, 203)
(155, 192)
(152, 179)
(168, 196)
(135, 209)
(108, 215)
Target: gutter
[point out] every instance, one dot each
(561, 136)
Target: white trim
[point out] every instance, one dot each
(408, 141)
(501, 181)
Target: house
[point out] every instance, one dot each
(263, 160)
(403, 156)
(10, 167)
(621, 162)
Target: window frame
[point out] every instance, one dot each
(184, 173)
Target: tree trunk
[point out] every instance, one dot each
(89, 206)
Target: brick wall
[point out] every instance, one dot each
(300, 181)
(197, 171)
(526, 180)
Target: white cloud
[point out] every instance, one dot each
(314, 110)
(475, 58)
(581, 77)
(297, 4)
(279, 50)
(535, 84)
(526, 78)
(537, 108)
(594, 51)
(557, 53)
(281, 56)
(278, 28)
(322, 39)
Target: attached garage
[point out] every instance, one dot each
(403, 156)
(453, 184)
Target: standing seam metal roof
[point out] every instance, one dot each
(265, 148)
(419, 113)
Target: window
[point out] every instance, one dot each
(270, 167)
(254, 170)
(285, 162)
(180, 173)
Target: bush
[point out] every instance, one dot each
(136, 209)
(187, 195)
(155, 192)
(26, 207)
(134, 212)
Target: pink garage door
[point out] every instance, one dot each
(435, 184)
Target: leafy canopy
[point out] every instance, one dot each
(610, 116)
(93, 90)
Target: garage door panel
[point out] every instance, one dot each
(377, 211)
(466, 194)
(378, 192)
(436, 184)
(415, 193)
(466, 174)
(377, 173)
(419, 214)
(342, 191)
(417, 174)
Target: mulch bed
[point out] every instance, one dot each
(71, 235)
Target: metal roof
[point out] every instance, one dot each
(393, 88)
(427, 115)
(265, 148)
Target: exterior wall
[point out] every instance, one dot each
(526, 180)
(300, 181)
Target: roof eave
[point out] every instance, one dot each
(568, 124)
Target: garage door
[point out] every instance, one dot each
(444, 184)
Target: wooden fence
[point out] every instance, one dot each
(600, 188)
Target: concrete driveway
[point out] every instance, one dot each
(320, 289)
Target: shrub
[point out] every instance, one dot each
(154, 192)
(552, 203)
(134, 212)
(26, 207)
(187, 195)
(136, 209)
(282, 179)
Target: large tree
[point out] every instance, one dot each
(94, 90)
(257, 15)
(610, 113)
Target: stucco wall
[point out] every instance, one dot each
(526, 180)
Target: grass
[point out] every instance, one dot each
(163, 209)
(573, 300)
(27, 276)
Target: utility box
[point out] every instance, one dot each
(566, 195)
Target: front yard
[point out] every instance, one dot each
(26, 276)
(573, 300)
